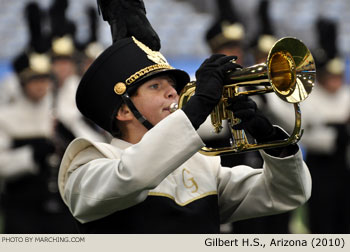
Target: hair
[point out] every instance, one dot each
(115, 131)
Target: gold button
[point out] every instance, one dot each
(119, 88)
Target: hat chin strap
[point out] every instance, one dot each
(137, 114)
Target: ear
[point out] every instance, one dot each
(124, 113)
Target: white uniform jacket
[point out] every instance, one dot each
(98, 179)
(22, 120)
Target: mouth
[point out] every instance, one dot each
(168, 109)
(171, 108)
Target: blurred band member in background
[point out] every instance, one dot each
(326, 139)
(28, 162)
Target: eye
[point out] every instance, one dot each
(154, 86)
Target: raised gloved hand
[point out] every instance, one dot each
(252, 120)
(128, 18)
(209, 85)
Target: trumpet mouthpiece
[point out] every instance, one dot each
(173, 107)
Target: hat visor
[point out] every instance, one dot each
(181, 78)
(29, 75)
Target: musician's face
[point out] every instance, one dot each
(37, 89)
(332, 83)
(154, 97)
(62, 69)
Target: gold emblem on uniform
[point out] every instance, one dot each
(155, 56)
(189, 181)
(119, 88)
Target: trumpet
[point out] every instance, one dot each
(289, 72)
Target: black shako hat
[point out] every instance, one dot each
(226, 30)
(30, 66)
(117, 72)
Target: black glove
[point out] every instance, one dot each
(209, 85)
(128, 18)
(258, 126)
(252, 120)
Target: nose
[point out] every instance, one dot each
(171, 92)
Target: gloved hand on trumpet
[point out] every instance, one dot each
(251, 119)
(257, 125)
(210, 81)
(289, 72)
(208, 93)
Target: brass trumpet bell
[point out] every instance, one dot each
(289, 72)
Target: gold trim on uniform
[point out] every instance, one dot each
(185, 203)
(145, 71)
(119, 88)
